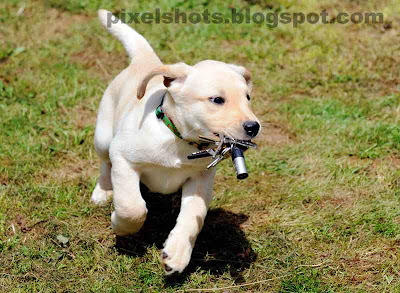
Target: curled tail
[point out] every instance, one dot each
(135, 44)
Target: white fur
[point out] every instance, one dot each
(135, 146)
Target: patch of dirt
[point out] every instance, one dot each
(395, 161)
(374, 167)
(83, 117)
(56, 25)
(342, 200)
(4, 180)
(273, 134)
(21, 221)
(339, 199)
(256, 219)
(263, 4)
(376, 42)
(345, 6)
(390, 163)
(230, 48)
(364, 268)
(100, 63)
(74, 168)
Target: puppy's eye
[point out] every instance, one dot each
(248, 97)
(218, 100)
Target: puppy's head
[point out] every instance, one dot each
(210, 98)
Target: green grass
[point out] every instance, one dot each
(319, 212)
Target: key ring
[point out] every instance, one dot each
(221, 148)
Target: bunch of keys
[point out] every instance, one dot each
(220, 148)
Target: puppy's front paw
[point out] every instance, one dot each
(123, 226)
(100, 196)
(176, 253)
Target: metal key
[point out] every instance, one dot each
(220, 144)
(219, 158)
(207, 139)
(200, 154)
(244, 143)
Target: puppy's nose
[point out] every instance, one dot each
(251, 128)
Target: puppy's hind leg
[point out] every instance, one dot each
(103, 190)
(102, 140)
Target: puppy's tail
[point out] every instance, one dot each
(135, 44)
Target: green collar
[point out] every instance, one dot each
(168, 122)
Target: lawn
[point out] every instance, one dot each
(320, 209)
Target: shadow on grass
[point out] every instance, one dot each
(220, 247)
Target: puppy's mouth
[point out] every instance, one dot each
(221, 136)
(229, 143)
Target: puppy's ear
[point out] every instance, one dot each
(243, 71)
(170, 73)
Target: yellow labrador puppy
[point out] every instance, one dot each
(149, 121)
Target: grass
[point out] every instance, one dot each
(319, 212)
